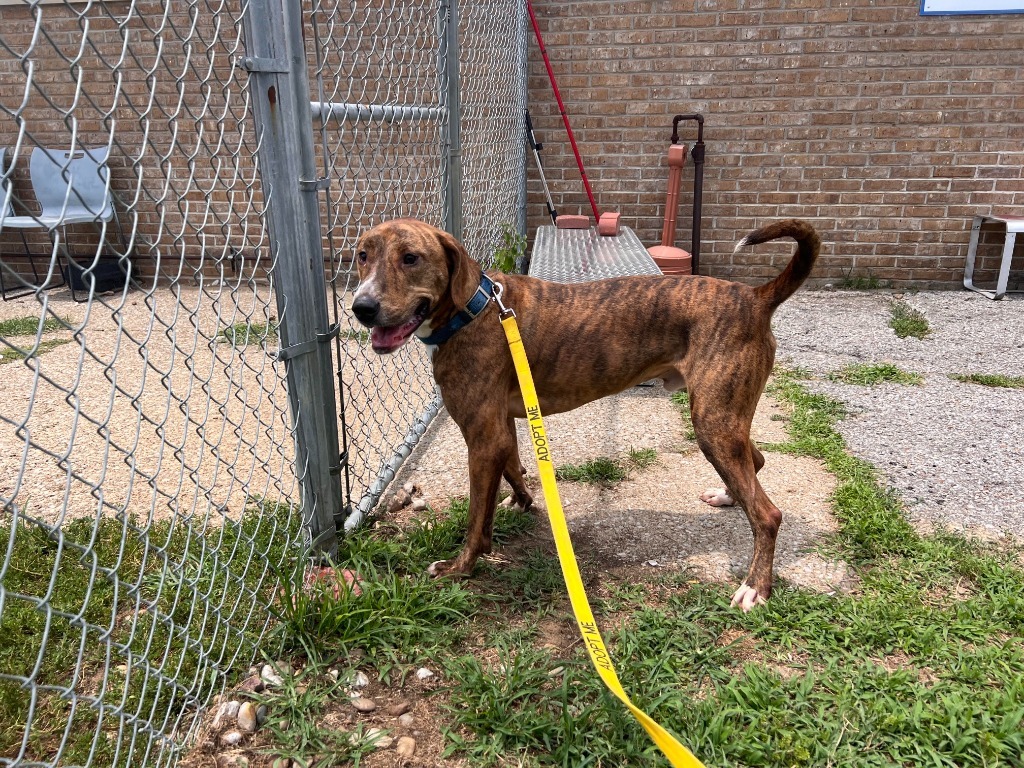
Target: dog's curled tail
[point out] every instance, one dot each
(807, 246)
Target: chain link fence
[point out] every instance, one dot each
(164, 449)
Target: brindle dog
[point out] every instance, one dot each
(710, 337)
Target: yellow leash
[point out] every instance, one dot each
(677, 754)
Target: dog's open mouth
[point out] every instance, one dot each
(386, 339)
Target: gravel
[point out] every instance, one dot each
(952, 450)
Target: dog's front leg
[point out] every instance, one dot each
(489, 454)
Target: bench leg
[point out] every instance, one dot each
(1004, 266)
(972, 254)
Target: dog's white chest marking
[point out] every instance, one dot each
(424, 332)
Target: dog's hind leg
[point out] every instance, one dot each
(490, 452)
(734, 456)
(514, 473)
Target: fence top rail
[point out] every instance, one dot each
(387, 113)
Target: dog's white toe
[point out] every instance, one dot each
(717, 497)
(432, 568)
(507, 502)
(746, 598)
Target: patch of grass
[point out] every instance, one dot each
(535, 578)
(599, 471)
(440, 535)
(907, 321)
(924, 665)
(869, 374)
(358, 335)
(29, 326)
(642, 458)
(244, 333)
(607, 471)
(114, 601)
(402, 613)
(13, 354)
(990, 380)
(682, 400)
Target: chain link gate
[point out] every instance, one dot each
(434, 131)
(172, 433)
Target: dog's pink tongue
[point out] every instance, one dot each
(389, 338)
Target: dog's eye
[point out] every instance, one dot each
(361, 256)
(410, 258)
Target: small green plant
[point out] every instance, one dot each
(642, 458)
(907, 321)
(11, 354)
(853, 282)
(241, 334)
(990, 380)
(29, 326)
(512, 248)
(869, 374)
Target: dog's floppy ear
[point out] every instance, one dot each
(463, 272)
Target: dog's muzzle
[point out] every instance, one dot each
(385, 339)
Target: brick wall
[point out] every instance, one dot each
(888, 129)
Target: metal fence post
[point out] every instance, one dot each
(522, 51)
(276, 60)
(450, 99)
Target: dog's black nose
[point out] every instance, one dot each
(365, 309)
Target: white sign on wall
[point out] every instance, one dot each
(971, 6)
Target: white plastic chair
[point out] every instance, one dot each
(6, 215)
(72, 188)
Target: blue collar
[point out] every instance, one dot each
(463, 317)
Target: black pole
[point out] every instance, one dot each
(536, 146)
(697, 153)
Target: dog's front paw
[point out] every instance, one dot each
(717, 497)
(746, 598)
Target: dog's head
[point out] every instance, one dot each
(412, 278)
